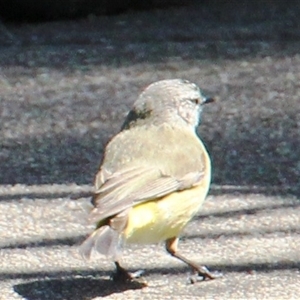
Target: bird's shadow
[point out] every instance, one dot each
(73, 288)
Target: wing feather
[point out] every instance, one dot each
(129, 187)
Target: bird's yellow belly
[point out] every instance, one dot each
(158, 220)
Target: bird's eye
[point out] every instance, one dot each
(195, 101)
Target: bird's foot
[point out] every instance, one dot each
(202, 273)
(122, 275)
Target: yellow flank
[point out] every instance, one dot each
(163, 218)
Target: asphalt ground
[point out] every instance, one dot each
(65, 88)
(252, 239)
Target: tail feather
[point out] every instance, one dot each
(104, 240)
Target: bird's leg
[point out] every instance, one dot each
(122, 275)
(201, 271)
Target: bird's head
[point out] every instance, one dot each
(174, 101)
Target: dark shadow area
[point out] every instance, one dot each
(65, 160)
(67, 241)
(60, 159)
(261, 267)
(248, 211)
(72, 288)
(254, 189)
(247, 233)
(46, 196)
(155, 35)
(47, 10)
(39, 11)
(86, 285)
(55, 133)
(73, 195)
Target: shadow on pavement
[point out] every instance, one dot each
(46, 195)
(247, 161)
(247, 211)
(252, 134)
(87, 285)
(72, 288)
(67, 241)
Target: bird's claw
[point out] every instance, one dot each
(204, 274)
(121, 275)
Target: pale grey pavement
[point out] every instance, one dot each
(252, 238)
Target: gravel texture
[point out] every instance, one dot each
(65, 88)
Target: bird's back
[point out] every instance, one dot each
(185, 152)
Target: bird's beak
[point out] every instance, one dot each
(208, 100)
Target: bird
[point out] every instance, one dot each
(154, 176)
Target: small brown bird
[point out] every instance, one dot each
(154, 176)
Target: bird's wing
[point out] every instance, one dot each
(115, 192)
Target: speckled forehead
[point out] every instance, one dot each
(189, 91)
(193, 88)
(177, 86)
(165, 91)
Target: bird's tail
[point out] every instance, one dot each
(104, 240)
